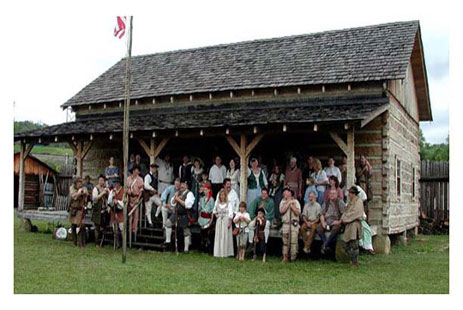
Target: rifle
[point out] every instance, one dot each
(290, 224)
(175, 231)
(82, 223)
(256, 237)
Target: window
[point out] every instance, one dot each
(413, 182)
(398, 172)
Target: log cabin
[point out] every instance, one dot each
(39, 182)
(352, 91)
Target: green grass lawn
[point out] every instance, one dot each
(44, 265)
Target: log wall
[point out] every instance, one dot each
(404, 91)
(97, 158)
(400, 143)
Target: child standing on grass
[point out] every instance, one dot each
(260, 246)
(241, 221)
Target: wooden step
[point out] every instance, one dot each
(154, 229)
(150, 237)
(149, 245)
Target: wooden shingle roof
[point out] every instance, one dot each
(372, 53)
(318, 109)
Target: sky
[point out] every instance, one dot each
(56, 49)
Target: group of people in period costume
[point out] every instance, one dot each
(302, 202)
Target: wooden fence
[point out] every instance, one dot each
(64, 183)
(434, 184)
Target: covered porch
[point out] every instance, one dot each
(322, 127)
(271, 129)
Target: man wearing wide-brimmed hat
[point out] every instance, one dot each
(134, 190)
(289, 210)
(78, 196)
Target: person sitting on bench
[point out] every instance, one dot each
(330, 219)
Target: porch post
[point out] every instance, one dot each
(22, 177)
(80, 152)
(22, 174)
(350, 157)
(152, 150)
(243, 169)
(79, 159)
(243, 152)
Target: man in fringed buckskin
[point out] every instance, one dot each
(351, 218)
(77, 200)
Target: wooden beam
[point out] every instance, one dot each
(73, 147)
(79, 158)
(253, 144)
(144, 146)
(373, 115)
(342, 145)
(22, 177)
(243, 168)
(234, 145)
(152, 150)
(86, 148)
(350, 157)
(28, 149)
(160, 147)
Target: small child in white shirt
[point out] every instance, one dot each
(241, 221)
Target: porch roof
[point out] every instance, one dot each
(182, 117)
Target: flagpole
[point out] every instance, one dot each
(125, 134)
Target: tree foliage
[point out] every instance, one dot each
(27, 126)
(436, 152)
(57, 148)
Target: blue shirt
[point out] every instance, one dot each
(309, 189)
(168, 193)
(111, 171)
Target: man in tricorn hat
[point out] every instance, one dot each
(134, 190)
(289, 210)
(115, 199)
(99, 198)
(184, 200)
(78, 196)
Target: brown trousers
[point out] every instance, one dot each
(308, 239)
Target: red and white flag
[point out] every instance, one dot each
(119, 30)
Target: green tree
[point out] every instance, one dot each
(437, 152)
(27, 126)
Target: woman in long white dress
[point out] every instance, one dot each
(234, 175)
(223, 241)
